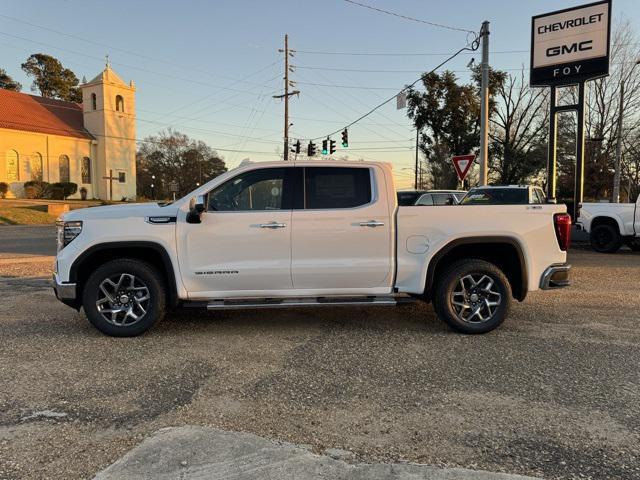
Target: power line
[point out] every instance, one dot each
(126, 51)
(183, 79)
(358, 100)
(405, 17)
(137, 140)
(474, 46)
(396, 54)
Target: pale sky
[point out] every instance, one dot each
(210, 68)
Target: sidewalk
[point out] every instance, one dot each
(199, 453)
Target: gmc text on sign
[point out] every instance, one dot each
(570, 45)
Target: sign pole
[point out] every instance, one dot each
(579, 176)
(570, 47)
(553, 137)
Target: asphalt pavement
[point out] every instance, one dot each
(553, 393)
(27, 240)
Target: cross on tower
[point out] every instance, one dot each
(111, 178)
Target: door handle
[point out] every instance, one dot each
(372, 223)
(273, 225)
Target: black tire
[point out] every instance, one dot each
(605, 238)
(449, 288)
(116, 279)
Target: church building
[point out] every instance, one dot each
(91, 144)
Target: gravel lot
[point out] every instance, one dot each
(555, 392)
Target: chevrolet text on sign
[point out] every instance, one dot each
(571, 44)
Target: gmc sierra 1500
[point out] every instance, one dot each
(312, 233)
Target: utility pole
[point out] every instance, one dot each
(286, 94)
(484, 106)
(616, 177)
(415, 183)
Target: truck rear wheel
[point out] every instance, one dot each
(605, 238)
(473, 296)
(124, 298)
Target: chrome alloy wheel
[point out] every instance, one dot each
(474, 298)
(123, 299)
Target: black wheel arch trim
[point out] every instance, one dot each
(433, 263)
(156, 247)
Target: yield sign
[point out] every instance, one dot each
(462, 164)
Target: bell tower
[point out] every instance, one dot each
(108, 105)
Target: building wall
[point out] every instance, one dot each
(115, 132)
(31, 146)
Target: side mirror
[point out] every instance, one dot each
(196, 210)
(450, 201)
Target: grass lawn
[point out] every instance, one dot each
(33, 215)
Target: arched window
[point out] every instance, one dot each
(86, 170)
(13, 172)
(65, 174)
(36, 167)
(94, 101)
(119, 103)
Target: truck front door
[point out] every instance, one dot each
(243, 245)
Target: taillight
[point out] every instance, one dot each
(562, 222)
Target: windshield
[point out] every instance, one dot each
(496, 196)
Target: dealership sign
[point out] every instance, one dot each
(571, 45)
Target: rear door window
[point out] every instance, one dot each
(337, 187)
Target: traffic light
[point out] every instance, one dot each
(311, 149)
(345, 138)
(296, 147)
(324, 147)
(332, 147)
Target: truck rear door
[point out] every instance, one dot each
(342, 235)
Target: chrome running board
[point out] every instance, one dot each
(372, 301)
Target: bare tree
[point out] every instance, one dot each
(603, 100)
(519, 123)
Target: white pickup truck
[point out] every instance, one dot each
(313, 233)
(609, 225)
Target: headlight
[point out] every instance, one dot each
(67, 231)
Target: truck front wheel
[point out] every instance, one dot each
(124, 298)
(473, 296)
(605, 238)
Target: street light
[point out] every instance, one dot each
(616, 176)
(153, 191)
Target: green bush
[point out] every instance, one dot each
(4, 188)
(61, 190)
(35, 189)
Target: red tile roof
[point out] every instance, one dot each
(20, 111)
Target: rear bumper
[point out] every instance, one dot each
(65, 292)
(556, 276)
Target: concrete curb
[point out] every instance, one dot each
(198, 453)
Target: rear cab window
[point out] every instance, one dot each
(336, 187)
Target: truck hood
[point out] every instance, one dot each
(138, 210)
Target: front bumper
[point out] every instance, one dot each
(556, 276)
(65, 292)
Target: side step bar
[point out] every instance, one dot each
(233, 304)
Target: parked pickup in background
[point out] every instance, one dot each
(610, 225)
(297, 234)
